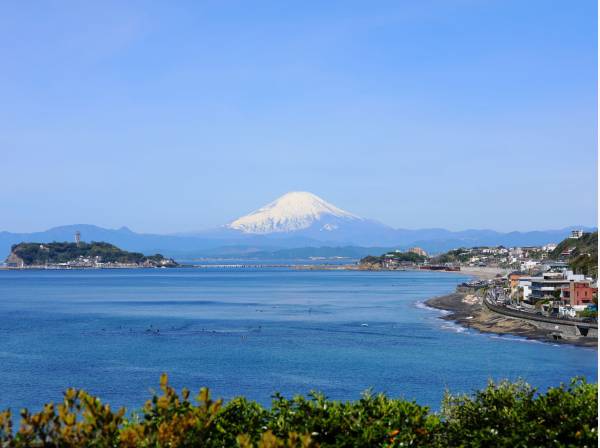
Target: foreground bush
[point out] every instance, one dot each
(502, 415)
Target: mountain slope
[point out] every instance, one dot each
(305, 215)
(581, 253)
(226, 242)
(291, 212)
(294, 221)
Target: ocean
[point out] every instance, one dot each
(252, 332)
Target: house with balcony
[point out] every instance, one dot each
(552, 284)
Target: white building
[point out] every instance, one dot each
(576, 234)
(524, 284)
(529, 264)
(567, 311)
(516, 251)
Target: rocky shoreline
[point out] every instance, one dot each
(468, 310)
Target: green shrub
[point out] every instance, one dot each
(588, 313)
(511, 414)
(501, 415)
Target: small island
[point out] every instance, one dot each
(64, 255)
(392, 259)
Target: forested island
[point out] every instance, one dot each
(392, 258)
(81, 255)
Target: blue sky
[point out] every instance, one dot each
(179, 116)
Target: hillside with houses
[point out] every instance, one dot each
(554, 280)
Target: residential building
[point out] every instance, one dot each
(553, 265)
(553, 284)
(513, 279)
(418, 251)
(529, 264)
(576, 234)
(547, 285)
(579, 293)
(516, 252)
(524, 287)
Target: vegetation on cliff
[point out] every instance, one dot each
(501, 415)
(581, 253)
(33, 254)
(455, 256)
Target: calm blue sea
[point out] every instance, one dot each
(251, 332)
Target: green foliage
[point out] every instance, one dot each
(370, 259)
(369, 421)
(409, 257)
(585, 264)
(453, 256)
(583, 258)
(588, 313)
(53, 253)
(512, 415)
(502, 415)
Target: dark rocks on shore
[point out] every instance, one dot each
(470, 313)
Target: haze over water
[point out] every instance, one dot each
(251, 332)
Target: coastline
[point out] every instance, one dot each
(78, 268)
(482, 273)
(468, 311)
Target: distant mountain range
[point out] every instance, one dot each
(297, 225)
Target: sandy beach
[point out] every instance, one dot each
(484, 273)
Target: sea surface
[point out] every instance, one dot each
(252, 332)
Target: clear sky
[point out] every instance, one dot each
(179, 116)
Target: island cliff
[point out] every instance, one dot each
(80, 255)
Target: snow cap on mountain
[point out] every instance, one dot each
(293, 211)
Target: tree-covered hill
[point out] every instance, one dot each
(581, 253)
(399, 257)
(34, 254)
(454, 256)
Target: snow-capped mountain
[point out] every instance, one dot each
(294, 211)
(297, 220)
(303, 215)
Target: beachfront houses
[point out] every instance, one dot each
(573, 290)
(526, 258)
(550, 284)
